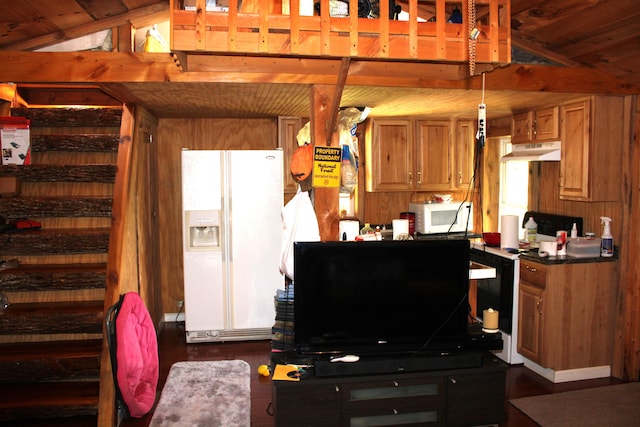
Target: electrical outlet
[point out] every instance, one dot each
(180, 303)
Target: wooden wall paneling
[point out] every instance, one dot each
(490, 185)
(548, 200)
(499, 127)
(147, 228)
(627, 348)
(202, 134)
(382, 207)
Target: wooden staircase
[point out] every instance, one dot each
(51, 334)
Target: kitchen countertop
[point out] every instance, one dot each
(563, 259)
(532, 255)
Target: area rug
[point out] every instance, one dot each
(615, 406)
(205, 394)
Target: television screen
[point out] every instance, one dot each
(381, 297)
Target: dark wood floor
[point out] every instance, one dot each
(521, 382)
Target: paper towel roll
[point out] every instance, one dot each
(548, 247)
(350, 227)
(509, 231)
(400, 226)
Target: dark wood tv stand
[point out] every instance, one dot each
(454, 397)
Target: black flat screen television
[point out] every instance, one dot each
(388, 297)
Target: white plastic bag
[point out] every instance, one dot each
(299, 224)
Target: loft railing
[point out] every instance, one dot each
(280, 27)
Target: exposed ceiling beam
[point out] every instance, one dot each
(114, 67)
(335, 105)
(142, 16)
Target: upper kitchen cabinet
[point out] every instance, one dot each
(292, 28)
(433, 155)
(389, 154)
(419, 155)
(592, 132)
(540, 125)
(464, 154)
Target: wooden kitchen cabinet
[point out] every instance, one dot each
(389, 155)
(566, 314)
(592, 134)
(433, 155)
(464, 154)
(531, 297)
(427, 155)
(541, 125)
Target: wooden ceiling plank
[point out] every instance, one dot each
(63, 14)
(24, 22)
(148, 14)
(101, 10)
(519, 6)
(625, 31)
(548, 14)
(571, 20)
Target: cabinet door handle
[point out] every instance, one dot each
(410, 178)
(539, 306)
(531, 269)
(395, 384)
(419, 177)
(453, 381)
(459, 177)
(337, 389)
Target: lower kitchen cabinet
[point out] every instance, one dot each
(567, 314)
(455, 397)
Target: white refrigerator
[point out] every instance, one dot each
(232, 237)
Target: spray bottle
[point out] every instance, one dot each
(606, 249)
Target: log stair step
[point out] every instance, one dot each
(99, 173)
(56, 207)
(45, 400)
(75, 143)
(44, 318)
(59, 241)
(50, 361)
(52, 277)
(70, 117)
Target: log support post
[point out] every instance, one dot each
(325, 199)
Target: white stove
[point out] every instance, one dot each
(501, 293)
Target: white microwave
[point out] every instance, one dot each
(452, 217)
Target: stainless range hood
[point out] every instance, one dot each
(542, 151)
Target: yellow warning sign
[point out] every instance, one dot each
(326, 167)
